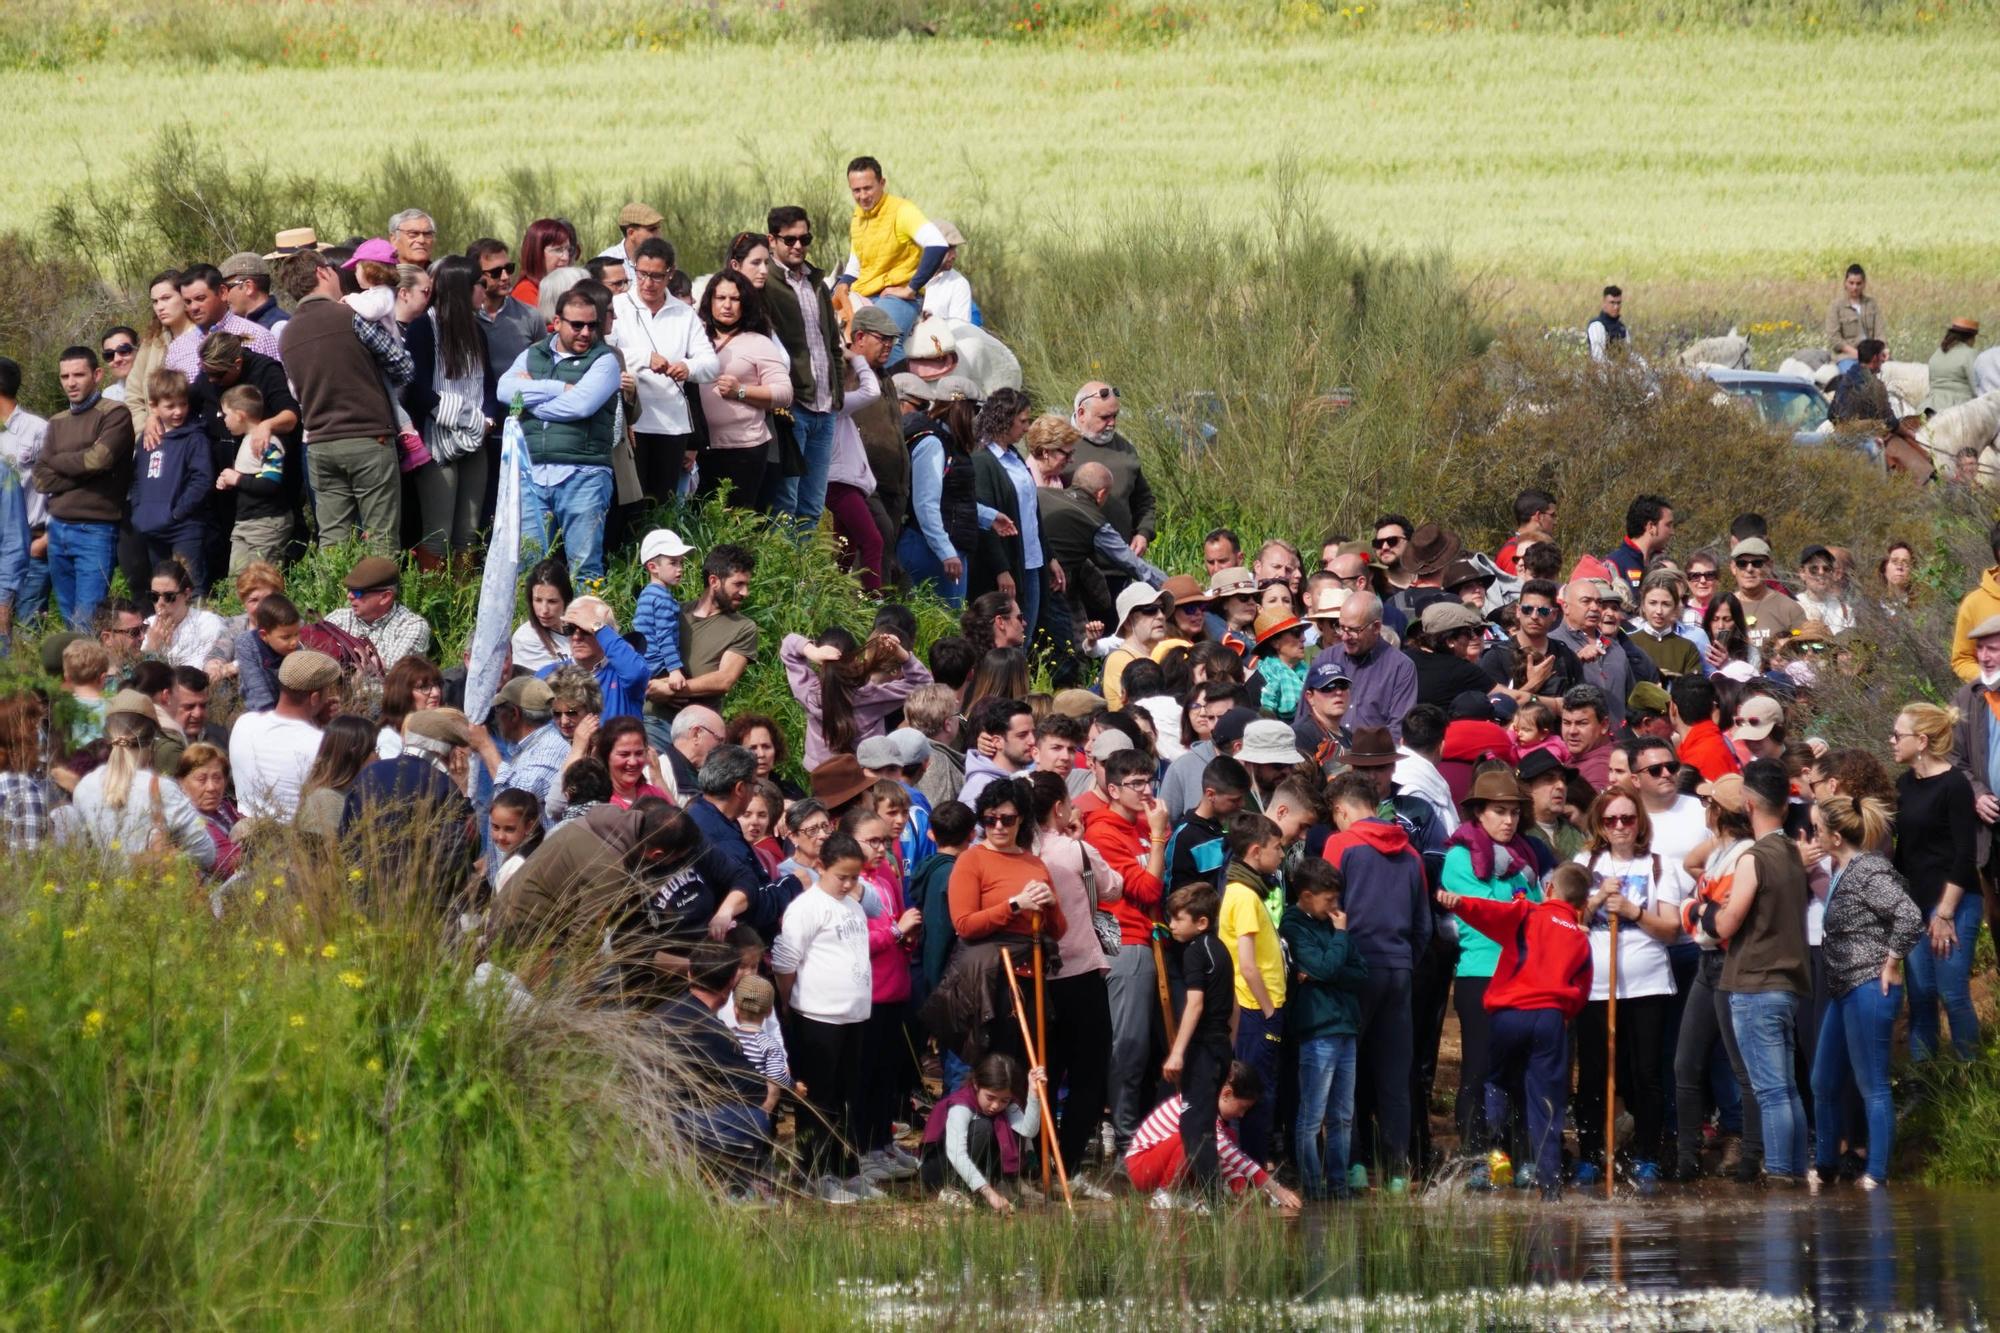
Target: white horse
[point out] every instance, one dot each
(1970, 425)
(1730, 352)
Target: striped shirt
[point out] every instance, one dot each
(767, 1053)
(1165, 1123)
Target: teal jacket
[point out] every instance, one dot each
(1327, 975)
(1478, 955)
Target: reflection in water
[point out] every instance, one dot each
(1851, 1253)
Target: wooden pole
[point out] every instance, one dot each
(1611, 1063)
(1041, 1052)
(1041, 1092)
(1167, 1024)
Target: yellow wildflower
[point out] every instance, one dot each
(17, 1016)
(278, 948)
(328, 951)
(352, 980)
(49, 889)
(260, 897)
(297, 1020)
(93, 1023)
(277, 881)
(354, 875)
(373, 1066)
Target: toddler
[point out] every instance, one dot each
(753, 1000)
(261, 649)
(658, 613)
(391, 294)
(1535, 727)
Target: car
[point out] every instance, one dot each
(1789, 402)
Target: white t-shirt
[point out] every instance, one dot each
(1643, 966)
(1681, 828)
(270, 757)
(823, 943)
(529, 652)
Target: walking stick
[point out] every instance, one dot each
(1042, 1038)
(1611, 1062)
(1167, 1024)
(1042, 1090)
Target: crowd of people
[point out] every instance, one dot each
(1191, 919)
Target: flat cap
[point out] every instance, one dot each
(244, 264)
(1444, 617)
(870, 319)
(446, 726)
(530, 694)
(639, 215)
(305, 670)
(1986, 628)
(1076, 703)
(131, 701)
(371, 571)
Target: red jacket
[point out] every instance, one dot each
(1544, 953)
(1124, 844)
(1707, 749)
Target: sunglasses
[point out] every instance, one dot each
(1701, 576)
(566, 713)
(577, 325)
(1539, 612)
(1108, 391)
(1382, 542)
(806, 239)
(1620, 821)
(1751, 562)
(1657, 770)
(167, 597)
(505, 270)
(122, 349)
(998, 819)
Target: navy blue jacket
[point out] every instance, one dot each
(172, 482)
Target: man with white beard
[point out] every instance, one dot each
(1129, 506)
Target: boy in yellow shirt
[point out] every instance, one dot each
(1245, 929)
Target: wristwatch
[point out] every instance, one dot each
(1012, 906)
(742, 392)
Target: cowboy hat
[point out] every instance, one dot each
(1432, 549)
(1369, 747)
(1496, 786)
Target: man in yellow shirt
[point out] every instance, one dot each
(892, 249)
(1245, 929)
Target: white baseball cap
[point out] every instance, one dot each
(659, 542)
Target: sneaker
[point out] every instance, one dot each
(1479, 1179)
(1748, 1171)
(953, 1197)
(887, 1164)
(1029, 1194)
(1812, 1180)
(864, 1190)
(1586, 1173)
(1162, 1201)
(1869, 1183)
(1399, 1184)
(1357, 1177)
(1524, 1176)
(744, 1196)
(830, 1190)
(902, 1156)
(1646, 1175)
(1083, 1188)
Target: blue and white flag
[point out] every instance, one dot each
(495, 625)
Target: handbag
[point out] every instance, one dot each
(786, 454)
(1109, 934)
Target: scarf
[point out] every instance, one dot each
(1486, 854)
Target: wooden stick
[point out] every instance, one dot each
(1611, 1062)
(1041, 1091)
(1042, 1039)
(1167, 1024)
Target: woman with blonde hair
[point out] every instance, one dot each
(1871, 925)
(122, 805)
(1935, 832)
(1050, 443)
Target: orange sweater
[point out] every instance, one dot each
(983, 880)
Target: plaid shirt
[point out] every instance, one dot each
(24, 811)
(184, 352)
(537, 764)
(388, 351)
(400, 634)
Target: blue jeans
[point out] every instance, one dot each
(1326, 1096)
(81, 557)
(1948, 979)
(1031, 601)
(904, 313)
(924, 567)
(1258, 1041)
(1855, 1042)
(33, 598)
(804, 498)
(1767, 1029)
(579, 505)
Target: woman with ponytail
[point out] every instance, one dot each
(1936, 840)
(1871, 924)
(122, 805)
(854, 690)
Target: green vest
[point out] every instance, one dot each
(585, 443)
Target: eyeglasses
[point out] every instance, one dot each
(1658, 770)
(168, 597)
(122, 349)
(505, 270)
(1752, 562)
(1701, 576)
(422, 235)
(999, 819)
(1135, 784)
(577, 325)
(132, 632)
(646, 276)
(1619, 821)
(1895, 736)
(1539, 612)
(1819, 571)
(803, 239)
(877, 843)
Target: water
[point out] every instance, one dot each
(1721, 1258)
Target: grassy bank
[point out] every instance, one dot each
(1651, 155)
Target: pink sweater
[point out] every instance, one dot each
(753, 359)
(888, 957)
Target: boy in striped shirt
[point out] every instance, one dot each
(1157, 1159)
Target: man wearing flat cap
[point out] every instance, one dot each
(637, 224)
(412, 814)
(271, 753)
(373, 613)
(524, 715)
(246, 285)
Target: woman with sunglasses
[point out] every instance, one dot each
(120, 346)
(412, 685)
(1002, 893)
(755, 378)
(1644, 891)
(180, 631)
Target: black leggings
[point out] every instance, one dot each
(826, 1057)
(659, 461)
(888, 1072)
(1079, 1054)
(1475, 1046)
(1704, 1021)
(1642, 1035)
(743, 469)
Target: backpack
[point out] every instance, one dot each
(360, 665)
